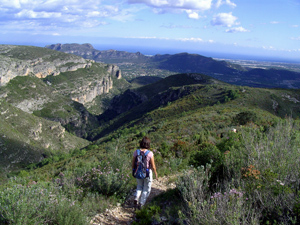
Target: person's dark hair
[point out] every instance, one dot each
(145, 143)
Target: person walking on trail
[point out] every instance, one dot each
(144, 185)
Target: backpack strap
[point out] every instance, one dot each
(147, 152)
(138, 151)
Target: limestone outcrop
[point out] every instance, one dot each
(12, 65)
(89, 92)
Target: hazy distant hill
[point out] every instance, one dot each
(137, 64)
(87, 51)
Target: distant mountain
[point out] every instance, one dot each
(157, 65)
(184, 62)
(87, 51)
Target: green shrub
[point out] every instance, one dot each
(245, 117)
(36, 203)
(266, 166)
(164, 149)
(233, 94)
(229, 142)
(208, 154)
(204, 207)
(146, 215)
(200, 138)
(106, 181)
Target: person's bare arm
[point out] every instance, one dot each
(153, 166)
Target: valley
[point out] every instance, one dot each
(265, 64)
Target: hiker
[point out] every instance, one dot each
(144, 185)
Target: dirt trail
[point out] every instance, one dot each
(125, 214)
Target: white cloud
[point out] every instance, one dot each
(224, 19)
(296, 38)
(236, 30)
(36, 15)
(172, 26)
(93, 14)
(225, 2)
(176, 4)
(268, 48)
(191, 39)
(192, 14)
(10, 4)
(56, 14)
(274, 22)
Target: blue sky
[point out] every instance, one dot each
(265, 28)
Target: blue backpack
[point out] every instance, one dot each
(140, 170)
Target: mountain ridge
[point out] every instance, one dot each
(189, 63)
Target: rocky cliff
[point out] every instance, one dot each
(43, 97)
(13, 63)
(55, 86)
(40, 62)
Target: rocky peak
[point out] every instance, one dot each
(87, 45)
(56, 47)
(87, 51)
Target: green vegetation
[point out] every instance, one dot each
(223, 177)
(31, 53)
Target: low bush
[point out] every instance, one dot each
(262, 179)
(37, 203)
(147, 215)
(208, 154)
(106, 181)
(245, 117)
(204, 207)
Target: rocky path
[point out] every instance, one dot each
(125, 214)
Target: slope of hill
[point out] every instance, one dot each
(184, 62)
(59, 87)
(25, 138)
(187, 92)
(144, 80)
